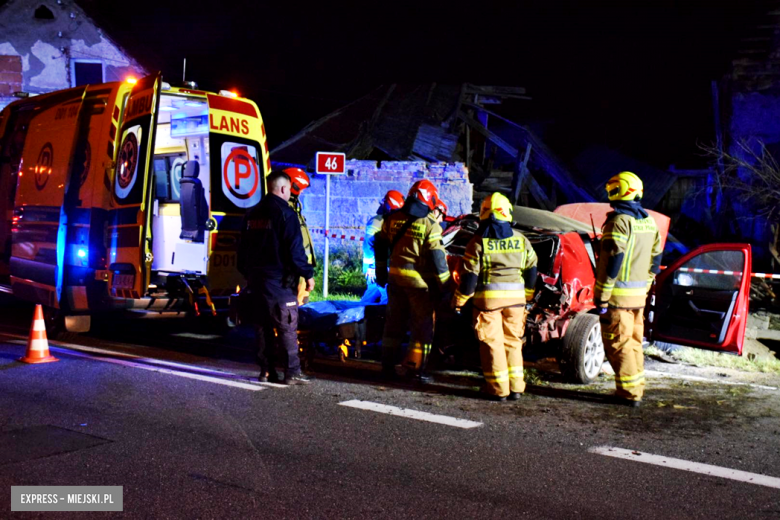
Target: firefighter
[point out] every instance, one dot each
(629, 260)
(499, 272)
(411, 239)
(394, 200)
(272, 258)
(439, 212)
(299, 181)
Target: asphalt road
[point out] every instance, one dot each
(201, 448)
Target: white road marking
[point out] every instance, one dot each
(411, 414)
(188, 375)
(695, 467)
(69, 347)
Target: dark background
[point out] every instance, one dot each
(632, 75)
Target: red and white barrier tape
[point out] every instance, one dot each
(765, 275)
(330, 234)
(735, 273)
(707, 271)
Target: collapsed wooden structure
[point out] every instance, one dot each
(442, 123)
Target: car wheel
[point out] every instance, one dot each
(582, 354)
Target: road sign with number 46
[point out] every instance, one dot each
(331, 163)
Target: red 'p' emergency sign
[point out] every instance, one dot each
(332, 163)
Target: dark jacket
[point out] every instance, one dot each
(271, 249)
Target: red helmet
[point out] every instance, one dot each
(299, 180)
(425, 192)
(393, 200)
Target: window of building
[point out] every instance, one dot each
(86, 72)
(44, 13)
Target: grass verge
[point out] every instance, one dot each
(716, 359)
(316, 296)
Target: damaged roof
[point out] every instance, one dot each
(401, 121)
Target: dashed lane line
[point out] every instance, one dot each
(411, 414)
(685, 465)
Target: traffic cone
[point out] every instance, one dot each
(38, 344)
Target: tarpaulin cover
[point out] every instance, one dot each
(321, 316)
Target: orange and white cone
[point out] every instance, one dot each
(38, 344)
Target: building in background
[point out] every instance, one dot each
(48, 45)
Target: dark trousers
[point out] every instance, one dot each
(278, 334)
(408, 306)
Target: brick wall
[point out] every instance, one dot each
(10, 78)
(355, 197)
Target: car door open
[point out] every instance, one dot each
(702, 299)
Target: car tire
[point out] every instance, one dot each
(582, 353)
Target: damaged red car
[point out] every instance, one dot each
(701, 300)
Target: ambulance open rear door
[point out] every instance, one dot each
(130, 232)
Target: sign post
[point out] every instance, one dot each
(328, 163)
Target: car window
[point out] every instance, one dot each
(720, 270)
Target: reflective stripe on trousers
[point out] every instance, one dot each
(500, 335)
(622, 331)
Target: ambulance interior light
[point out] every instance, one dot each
(228, 93)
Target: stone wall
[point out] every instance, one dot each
(355, 197)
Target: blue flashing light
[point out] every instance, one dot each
(81, 253)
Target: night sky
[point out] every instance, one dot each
(634, 76)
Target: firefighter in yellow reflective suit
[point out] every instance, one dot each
(299, 181)
(499, 272)
(411, 239)
(629, 260)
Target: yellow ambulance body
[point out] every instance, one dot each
(91, 202)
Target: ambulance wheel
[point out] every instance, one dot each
(582, 353)
(55, 325)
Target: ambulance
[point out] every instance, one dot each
(127, 195)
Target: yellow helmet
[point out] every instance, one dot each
(498, 206)
(624, 186)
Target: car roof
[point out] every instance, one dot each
(547, 221)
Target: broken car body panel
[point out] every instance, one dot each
(594, 215)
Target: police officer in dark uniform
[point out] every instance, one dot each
(272, 258)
